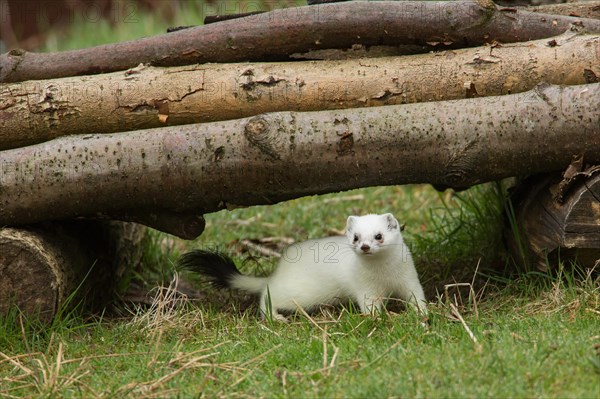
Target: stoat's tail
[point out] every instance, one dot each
(221, 271)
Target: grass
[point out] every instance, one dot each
(535, 335)
(526, 341)
(491, 334)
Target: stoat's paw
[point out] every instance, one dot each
(281, 318)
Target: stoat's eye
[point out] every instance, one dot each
(378, 236)
(355, 237)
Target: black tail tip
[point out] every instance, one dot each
(217, 266)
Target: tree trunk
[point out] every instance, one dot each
(37, 111)
(275, 157)
(554, 226)
(42, 266)
(278, 34)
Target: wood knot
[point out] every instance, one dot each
(255, 127)
(258, 133)
(18, 52)
(346, 144)
(590, 76)
(461, 165)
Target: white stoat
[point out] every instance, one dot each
(368, 265)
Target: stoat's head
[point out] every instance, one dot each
(373, 234)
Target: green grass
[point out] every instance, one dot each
(524, 335)
(527, 341)
(529, 336)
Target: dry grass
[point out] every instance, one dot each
(188, 350)
(53, 374)
(46, 375)
(165, 310)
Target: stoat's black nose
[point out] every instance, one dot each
(365, 248)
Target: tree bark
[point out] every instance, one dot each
(42, 266)
(280, 156)
(278, 34)
(584, 9)
(37, 111)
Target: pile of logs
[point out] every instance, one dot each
(274, 106)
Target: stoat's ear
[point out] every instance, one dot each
(350, 223)
(391, 221)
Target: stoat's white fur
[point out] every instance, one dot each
(368, 265)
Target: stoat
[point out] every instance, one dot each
(368, 265)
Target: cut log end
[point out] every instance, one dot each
(30, 277)
(42, 266)
(557, 224)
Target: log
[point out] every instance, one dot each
(583, 9)
(37, 111)
(280, 156)
(552, 229)
(280, 33)
(42, 266)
